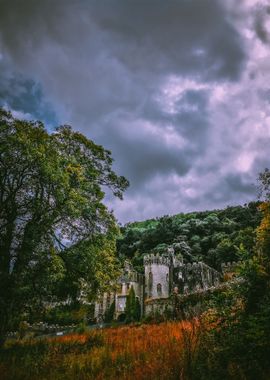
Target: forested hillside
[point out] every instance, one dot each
(210, 236)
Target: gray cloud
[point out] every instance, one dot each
(172, 88)
(176, 36)
(261, 15)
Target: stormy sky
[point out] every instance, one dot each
(178, 90)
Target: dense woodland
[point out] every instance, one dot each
(209, 236)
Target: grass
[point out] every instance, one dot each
(155, 352)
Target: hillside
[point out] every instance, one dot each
(210, 236)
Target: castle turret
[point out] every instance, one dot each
(157, 276)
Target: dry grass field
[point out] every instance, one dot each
(160, 351)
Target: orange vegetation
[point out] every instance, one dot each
(129, 352)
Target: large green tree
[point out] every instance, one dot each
(56, 234)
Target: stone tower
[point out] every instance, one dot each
(157, 276)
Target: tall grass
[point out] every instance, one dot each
(163, 351)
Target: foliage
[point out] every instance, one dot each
(81, 328)
(210, 236)
(56, 235)
(238, 344)
(109, 314)
(133, 308)
(67, 314)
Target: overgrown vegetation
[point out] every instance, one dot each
(210, 236)
(238, 344)
(67, 314)
(130, 352)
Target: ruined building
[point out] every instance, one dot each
(163, 275)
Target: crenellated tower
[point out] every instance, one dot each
(157, 276)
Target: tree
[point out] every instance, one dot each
(132, 310)
(109, 314)
(256, 271)
(56, 235)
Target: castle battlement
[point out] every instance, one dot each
(156, 259)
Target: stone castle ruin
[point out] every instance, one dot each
(164, 274)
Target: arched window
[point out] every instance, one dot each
(150, 284)
(159, 290)
(150, 280)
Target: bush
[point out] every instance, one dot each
(81, 328)
(68, 314)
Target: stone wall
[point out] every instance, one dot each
(192, 277)
(103, 304)
(161, 306)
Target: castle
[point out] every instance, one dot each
(164, 275)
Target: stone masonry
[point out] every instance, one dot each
(163, 275)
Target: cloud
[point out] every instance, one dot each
(177, 90)
(261, 17)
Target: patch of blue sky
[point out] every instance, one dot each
(25, 99)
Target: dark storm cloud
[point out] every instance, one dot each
(139, 78)
(147, 155)
(261, 15)
(172, 36)
(239, 183)
(144, 36)
(159, 142)
(192, 117)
